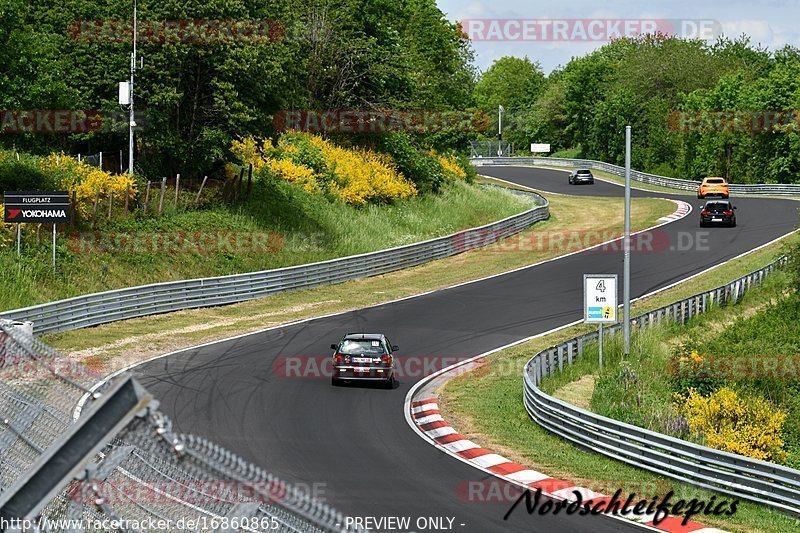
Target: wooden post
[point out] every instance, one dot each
(196, 200)
(96, 200)
(177, 188)
(110, 202)
(127, 199)
(237, 189)
(146, 197)
(161, 200)
(250, 180)
(73, 210)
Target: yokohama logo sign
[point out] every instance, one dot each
(38, 213)
(51, 207)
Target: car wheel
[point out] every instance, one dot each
(336, 382)
(702, 224)
(733, 223)
(389, 383)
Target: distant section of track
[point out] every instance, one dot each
(352, 444)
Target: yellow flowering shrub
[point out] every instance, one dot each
(356, 176)
(363, 176)
(85, 180)
(727, 422)
(452, 169)
(6, 230)
(294, 173)
(249, 151)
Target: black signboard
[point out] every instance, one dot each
(36, 206)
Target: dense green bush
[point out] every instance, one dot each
(23, 174)
(413, 161)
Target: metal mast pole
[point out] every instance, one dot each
(626, 309)
(131, 123)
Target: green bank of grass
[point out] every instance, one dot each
(486, 405)
(114, 345)
(291, 227)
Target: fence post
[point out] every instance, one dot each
(146, 197)
(127, 199)
(110, 202)
(197, 200)
(96, 200)
(73, 209)
(177, 188)
(161, 199)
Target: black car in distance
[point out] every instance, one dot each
(718, 212)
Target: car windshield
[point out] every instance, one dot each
(361, 347)
(715, 181)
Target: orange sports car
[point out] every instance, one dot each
(713, 187)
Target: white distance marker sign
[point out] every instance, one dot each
(600, 298)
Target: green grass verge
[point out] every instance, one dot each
(297, 227)
(115, 345)
(486, 406)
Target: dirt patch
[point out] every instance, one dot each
(578, 392)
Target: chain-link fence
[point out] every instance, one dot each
(144, 474)
(490, 148)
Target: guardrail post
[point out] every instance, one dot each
(560, 358)
(570, 348)
(551, 361)
(580, 346)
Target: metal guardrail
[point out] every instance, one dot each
(145, 473)
(110, 306)
(759, 481)
(768, 189)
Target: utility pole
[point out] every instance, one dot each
(626, 277)
(131, 122)
(500, 110)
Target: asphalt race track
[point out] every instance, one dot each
(351, 445)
